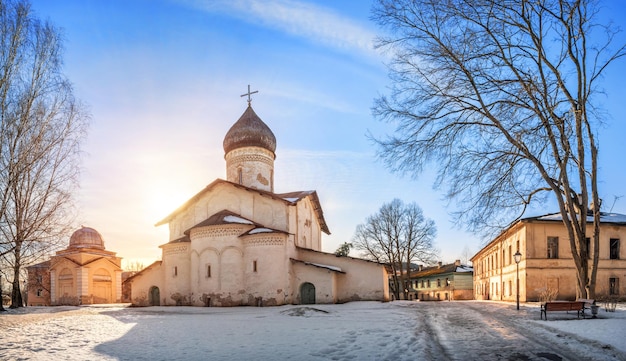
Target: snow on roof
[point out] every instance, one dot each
(464, 268)
(261, 230)
(291, 199)
(235, 219)
(319, 265)
(604, 218)
(333, 268)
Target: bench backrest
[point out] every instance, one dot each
(564, 306)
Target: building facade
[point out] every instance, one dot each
(83, 273)
(546, 265)
(442, 282)
(237, 242)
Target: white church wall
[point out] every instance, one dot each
(362, 281)
(219, 248)
(141, 284)
(205, 274)
(266, 272)
(324, 281)
(176, 269)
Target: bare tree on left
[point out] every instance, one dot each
(41, 129)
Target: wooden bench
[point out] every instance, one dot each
(577, 306)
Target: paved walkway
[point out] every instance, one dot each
(496, 331)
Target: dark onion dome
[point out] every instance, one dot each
(86, 238)
(249, 131)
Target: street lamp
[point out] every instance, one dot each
(1, 296)
(449, 291)
(518, 257)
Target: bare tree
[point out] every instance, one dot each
(134, 266)
(41, 127)
(498, 94)
(465, 256)
(397, 235)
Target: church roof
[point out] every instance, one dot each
(289, 198)
(318, 265)
(223, 217)
(249, 131)
(259, 230)
(86, 237)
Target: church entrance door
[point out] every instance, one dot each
(155, 296)
(307, 294)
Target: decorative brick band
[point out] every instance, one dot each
(264, 241)
(213, 232)
(176, 250)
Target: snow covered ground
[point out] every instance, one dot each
(469, 330)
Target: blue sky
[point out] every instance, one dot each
(162, 80)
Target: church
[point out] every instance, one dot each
(238, 243)
(83, 273)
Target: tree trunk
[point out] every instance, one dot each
(16, 293)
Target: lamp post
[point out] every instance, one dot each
(518, 257)
(449, 291)
(1, 296)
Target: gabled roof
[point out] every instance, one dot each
(222, 217)
(289, 198)
(155, 263)
(443, 269)
(295, 197)
(44, 264)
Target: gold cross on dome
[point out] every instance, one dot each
(248, 94)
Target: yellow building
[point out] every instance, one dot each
(84, 273)
(546, 263)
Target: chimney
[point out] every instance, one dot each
(457, 262)
(419, 267)
(439, 264)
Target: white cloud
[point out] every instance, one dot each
(315, 23)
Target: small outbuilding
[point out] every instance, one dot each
(83, 273)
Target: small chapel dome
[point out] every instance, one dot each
(249, 131)
(86, 237)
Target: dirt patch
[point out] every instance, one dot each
(303, 311)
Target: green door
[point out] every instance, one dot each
(307, 294)
(155, 296)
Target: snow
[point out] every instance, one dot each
(333, 268)
(261, 230)
(604, 218)
(464, 269)
(292, 199)
(235, 219)
(402, 330)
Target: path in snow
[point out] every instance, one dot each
(497, 331)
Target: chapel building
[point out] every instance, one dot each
(83, 273)
(237, 242)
